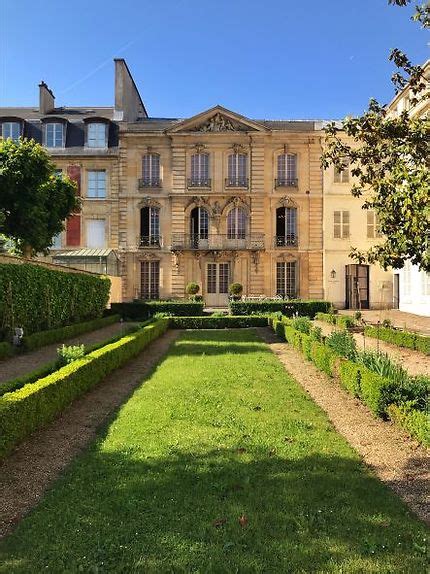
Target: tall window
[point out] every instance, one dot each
(199, 223)
(96, 231)
(342, 175)
(150, 279)
(287, 170)
(236, 223)
(96, 184)
(286, 279)
(372, 225)
(11, 130)
(200, 170)
(286, 226)
(150, 227)
(237, 170)
(151, 170)
(54, 134)
(341, 224)
(96, 134)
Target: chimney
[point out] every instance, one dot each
(128, 103)
(46, 99)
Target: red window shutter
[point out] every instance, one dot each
(73, 231)
(74, 172)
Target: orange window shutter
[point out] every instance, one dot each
(74, 172)
(73, 231)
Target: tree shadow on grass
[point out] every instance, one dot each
(220, 510)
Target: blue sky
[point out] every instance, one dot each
(270, 59)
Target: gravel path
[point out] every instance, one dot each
(397, 460)
(27, 362)
(415, 362)
(37, 462)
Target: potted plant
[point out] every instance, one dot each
(236, 290)
(191, 290)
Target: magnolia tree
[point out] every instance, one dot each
(34, 201)
(389, 159)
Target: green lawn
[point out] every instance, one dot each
(218, 463)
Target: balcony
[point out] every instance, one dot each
(249, 241)
(149, 241)
(242, 182)
(284, 182)
(199, 182)
(289, 240)
(144, 183)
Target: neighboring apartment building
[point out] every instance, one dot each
(213, 199)
(346, 283)
(411, 286)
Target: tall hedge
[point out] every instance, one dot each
(141, 310)
(37, 298)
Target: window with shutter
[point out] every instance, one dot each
(342, 175)
(96, 233)
(73, 231)
(96, 184)
(341, 224)
(97, 135)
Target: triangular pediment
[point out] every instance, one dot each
(217, 120)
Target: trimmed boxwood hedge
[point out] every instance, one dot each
(36, 298)
(350, 376)
(226, 322)
(401, 338)
(416, 423)
(288, 308)
(141, 310)
(32, 406)
(37, 340)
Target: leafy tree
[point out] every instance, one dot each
(389, 157)
(34, 200)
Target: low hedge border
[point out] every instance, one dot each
(42, 338)
(141, 310)
(226, 322)
(32, 406)
(48, 368)
(414, 422)
(288, 308)
(381, 395)
(342, 321)
(405, 339)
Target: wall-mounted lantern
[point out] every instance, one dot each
(333, 274)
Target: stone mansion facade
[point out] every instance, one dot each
(214, 199)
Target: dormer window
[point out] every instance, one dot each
(11, 130)
(54, 134)
(97, 135)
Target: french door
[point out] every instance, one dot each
(150, 279)
(217, 282)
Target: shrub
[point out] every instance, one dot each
(36, 298)
(6, 350)
(32, 406)
(316, 334)
(342, 321)
(68, 354)
(327, 317)
(302, 324)
(342, 343)
(323, 358)
(422, 344)
(288, 308)
(416, 423)
(386, 323)
(32, 342)
(383, 365)
(307, 345)
(236, 290)
(358, 315)
(192, 288)
(224, 322)
(141, 310)
(350, 376)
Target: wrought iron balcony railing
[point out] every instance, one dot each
(144, 183)
(249, 241)
(153, 241)
(237, 182)
(288, 240)
(199, 182)
(285, 182)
